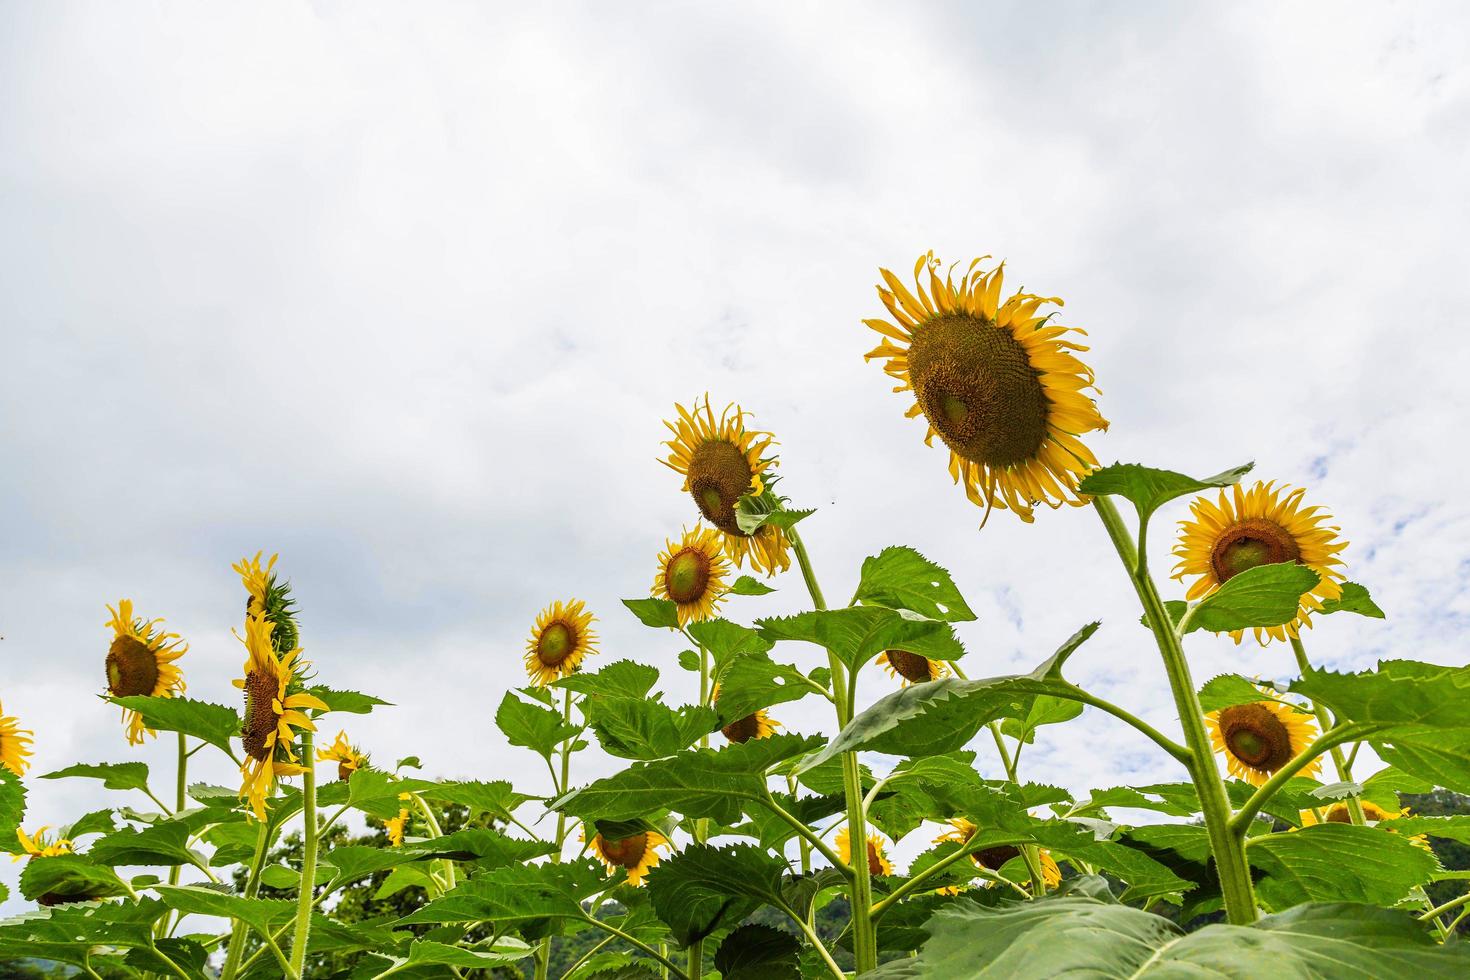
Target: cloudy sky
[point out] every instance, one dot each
(404, 291)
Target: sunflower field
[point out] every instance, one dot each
(729, 845)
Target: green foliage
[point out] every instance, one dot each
(901, 578)
(1354, 599)
(756, 952)
(1149, 489)
(114, 775)
(1267, 595)
(858, 634)
(213, 723)
(539, 729)
(658, 613)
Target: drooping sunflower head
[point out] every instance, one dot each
(15, 744)
(691, 574)
(721, 462)
(635, 853)
(997, 381)
(913, 668)
(140, 662)
(1264, 525)
(878, 863)
(275, 707)
(348, 757)
(994, 858)
(1260, 737)
(39, 845)
(561, 637)
(758, 724)
(269, 597)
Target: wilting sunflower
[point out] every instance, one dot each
(273, 711)
(560, 639)
(995, 858)
(722, 462)
(996, 381)
(634, 853)
(140, 662)
(15, 744)
(38, 845)
(1259, 526)
(878, 863)
(270, 598)
(692, 574)
(1260, 737)
(913, 668)
(348, 757)
(756, 725)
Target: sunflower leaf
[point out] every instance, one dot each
(637, 728)
(1227, 690)
(506, 949)
(165, 844)
(757, 952)
(621, 678)
(745, 585)
(114, 775)
(539, 729)
(752, 511)
(1354, 599)
(701, 887)
(724, 639)
(497, 798)
(1149, 489)
(74, 876)
(258, 913)
(12, 807)
(1044, 709)
(1399, 692)
(515, 895)
(658, 613)
(1267, 595)
(214, 723)
(1337, 861)
(860, 633)
(755, 681)
(901, 578)
(351, 702)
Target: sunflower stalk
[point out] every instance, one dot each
(1324, 720)
(252, 888)
(864, 938)
(1227, 847)
(309, 854)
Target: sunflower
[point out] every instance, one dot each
(560, 639)
(756, 725)
(878, 863)
(140, 661)
(1260, 526)
(348, 757)
(692, 574)
(1372, 812)
(272, 712)
(15, 744)
(37, 845)
(1260, 737)
(995, 858)
(395, 827)
(722, 462)
(998, 383)
(913, 668)
(636, 853)
(269, 597)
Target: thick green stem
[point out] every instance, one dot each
(308, 855)
(860, 892)
(180, 798)
(252, 888)
(1343, 733)
(559, 785)
(701, 825)
(1228, 849)
(1324, 721)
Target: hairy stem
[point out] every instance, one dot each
(308, 856)
(252, 888)
(1324, 721)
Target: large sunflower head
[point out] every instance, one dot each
(756, 725)
(15, 744)
(635, 853)
(995, 858)
(997, 381)
(348, 757)
(140, 661)
(562, 636)
(269, 597)
(1260, 526)
(691, 574)
(722, 461)
(913, 668)
(39, 845)
(878, 863)
(1260, 737)
(275, 707)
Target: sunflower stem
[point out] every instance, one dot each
(308, 855)
(844, 694)
(1228, 848)
(1242, 819)
(252, 888)
(180, 797)
(701, 824)
(1340, 761)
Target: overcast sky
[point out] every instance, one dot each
(403, 292)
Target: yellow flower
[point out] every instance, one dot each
(272, 713)
(140, 662)
(15, 744)
(1260, 737)
(757, 725)
(347, 756)
(996, 381)
(269, 598)
(257, 581)
(692, 574)
(1259, 526)
(995, 858)
(1373, 813)
(634, 853)
(913, 668)
(36, 845)
(560, 639)
(722, 462)
(395, 827)
(878, 863)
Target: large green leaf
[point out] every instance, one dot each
(1354, 599)
(724, 639)
(122, 924)
(757, 952)
(214, 723)
(12, 805)
(261, 914)
(531, 726)
(715, 783)
(860, 633)
(621, 678)
(1337, 861)
(658, 613)
(745, 585)
(701, 887)
(164, 844)
(901, 578)
(351, 702)
(1149, 489)
(497, 797)
(515, 894)
(1453, 827)
(940, 716)
(638, 728)
(1228, 690)
(114, 775)
(1267, 595)
(1043, 709)
(506, 949)
(1399, 692)
(75, 877)
(754, 681)
(1081, 936)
